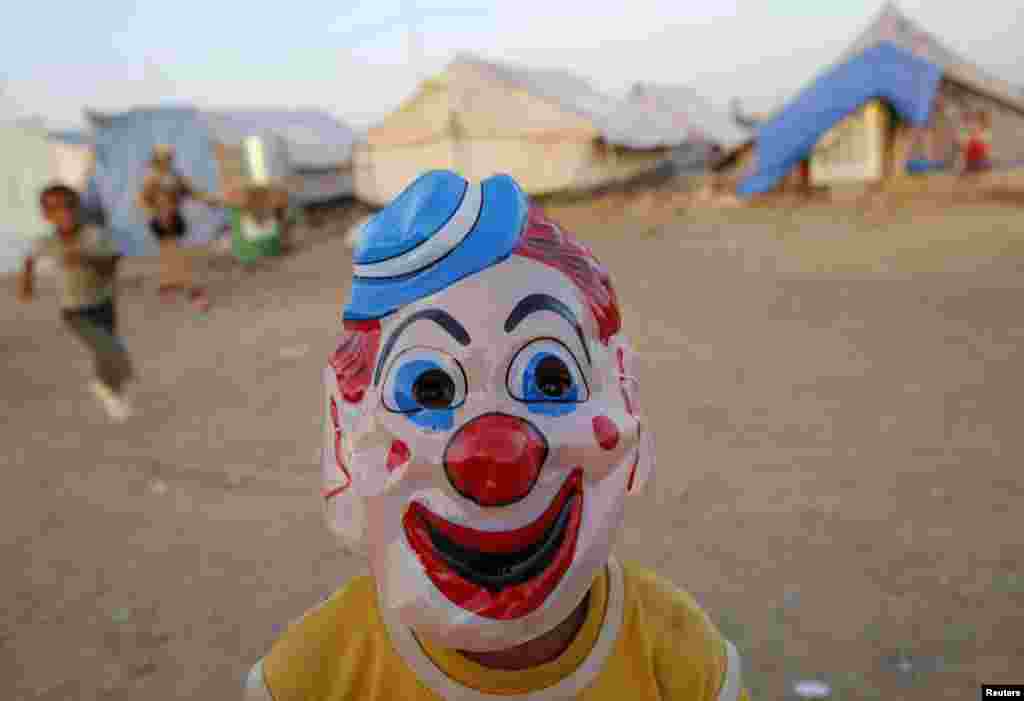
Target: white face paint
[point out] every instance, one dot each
(486, 467)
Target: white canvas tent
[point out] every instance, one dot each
(315, 139)
(550, 130)
(73, 159)
(688, 112)
(319, 147)
(26, 168)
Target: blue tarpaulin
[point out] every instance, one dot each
(917, 166)
(884, 71)
(124, 143)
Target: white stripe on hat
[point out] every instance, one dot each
(434, 248)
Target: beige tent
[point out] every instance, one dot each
(550, 130)
(25, 169)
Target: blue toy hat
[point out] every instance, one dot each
(439, 230)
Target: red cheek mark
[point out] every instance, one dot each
(606, 432)
(398, 455)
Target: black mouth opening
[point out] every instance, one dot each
(497, 571)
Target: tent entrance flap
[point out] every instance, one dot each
(854, 150)
(883, 72)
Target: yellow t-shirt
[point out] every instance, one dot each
(642, 639)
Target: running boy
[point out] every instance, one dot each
(87, 260)
(482, 434)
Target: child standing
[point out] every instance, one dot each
(88, 261)
(163, 192)
(483, 431)
(977, 144)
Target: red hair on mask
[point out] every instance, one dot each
(352, 361)
(545, 242)
(541, 240)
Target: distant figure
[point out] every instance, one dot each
(259, 216)
(163, 192)
(88, 263)
(978, 143)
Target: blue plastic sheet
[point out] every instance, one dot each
(124, 143)
(906, 82)
(917, 166)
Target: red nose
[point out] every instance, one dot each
(495, 459)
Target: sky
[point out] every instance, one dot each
(353, 59)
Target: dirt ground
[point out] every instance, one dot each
(839, 458)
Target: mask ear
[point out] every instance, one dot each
(343, 509)
(643, 466)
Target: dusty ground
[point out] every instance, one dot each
(839, 478)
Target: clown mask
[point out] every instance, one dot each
(483, 424)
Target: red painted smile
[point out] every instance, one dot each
(500, 575)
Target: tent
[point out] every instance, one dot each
(26, 168)
(550, 130)
(965, 87)
(906, 83)
(904, 66)
(73, 158)
(710, 131)
(319, 147)
(123, 145)
(893, 26)
(208, 147)
(701, 121)
(316, 140)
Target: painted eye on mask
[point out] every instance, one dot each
(546, 376)
(427, 386)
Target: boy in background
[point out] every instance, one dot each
(87, 261)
